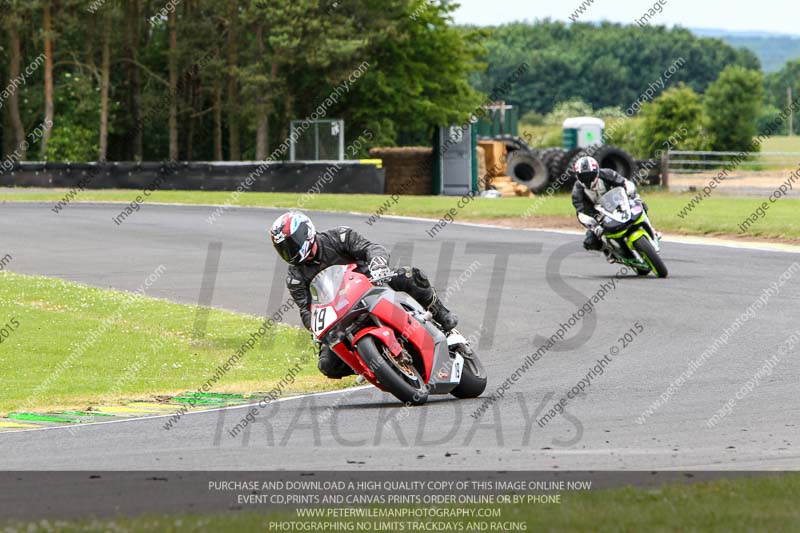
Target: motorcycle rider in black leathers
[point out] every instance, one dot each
(295, 239)
(593, 182)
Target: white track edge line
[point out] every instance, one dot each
(687, 239)
(680, 239)
(172, 413)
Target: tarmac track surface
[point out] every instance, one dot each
(522, 285)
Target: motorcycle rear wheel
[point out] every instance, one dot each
(473, 377)
(410, 391)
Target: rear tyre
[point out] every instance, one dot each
(649, 254)
(473, 376)
(527, 169)
(567, 164)
(616, 159)
(405, 384)
(553, 159)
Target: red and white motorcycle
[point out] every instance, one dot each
(390, 339)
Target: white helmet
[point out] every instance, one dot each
(587, 170)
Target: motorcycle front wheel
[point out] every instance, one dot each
(649, 254)
(401, 380)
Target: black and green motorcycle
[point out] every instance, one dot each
(628, 236)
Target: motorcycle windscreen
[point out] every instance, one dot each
(326, 284)
(616, 202)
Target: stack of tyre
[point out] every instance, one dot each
(539, 169)
(607, 156)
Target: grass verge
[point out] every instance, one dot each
(71, 346)
(714, 216)
(767, 503)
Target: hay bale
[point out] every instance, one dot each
(482, 178)
(409, 169)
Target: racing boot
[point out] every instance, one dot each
(443, 315)
(331, 365)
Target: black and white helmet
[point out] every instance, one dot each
(587, 170)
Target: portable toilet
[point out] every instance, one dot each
(580, 132)
(455, 164)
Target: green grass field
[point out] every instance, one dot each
(767, 503)
(71, 346)
(716, 215)
(782, 143)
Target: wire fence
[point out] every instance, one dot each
(735, 172)
(322, 140)
(694, 162)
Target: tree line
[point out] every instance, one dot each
(604, 64)
(221, 80)
(683, 91)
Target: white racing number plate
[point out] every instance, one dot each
(453, 373)
(458, 366)
(322, 318)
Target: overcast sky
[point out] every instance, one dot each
(778, 16)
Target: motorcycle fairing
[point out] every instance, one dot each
(385, 335)
(396, 313)
(332, 297)
(405, 315)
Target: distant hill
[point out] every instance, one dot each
(772, 49)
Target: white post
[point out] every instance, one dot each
(341, 140)
(291, 142)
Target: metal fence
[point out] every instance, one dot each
(740, 171)
(694, 162)
(322, 140)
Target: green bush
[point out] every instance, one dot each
(571, 108)
(766, 117)
(625, 133)
(70, 143)
(540, 136)
(609, 113)
(674, 120)
(533, 118)
(553, 138)
(733, 104)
